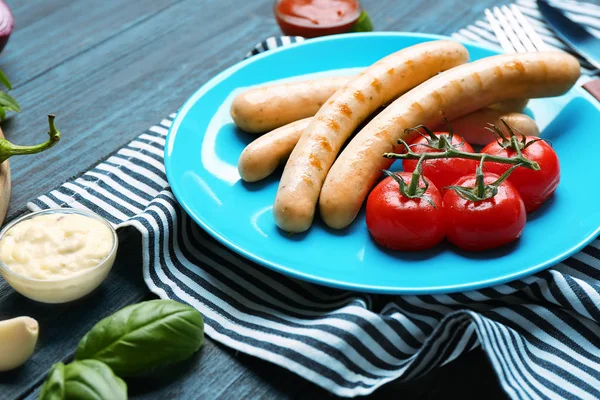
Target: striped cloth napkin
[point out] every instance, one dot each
(541, 333)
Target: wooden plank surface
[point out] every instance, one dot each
(109, 69)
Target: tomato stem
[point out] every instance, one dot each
(502, 140)
(513, 142)
(505, 175)
(510, 142)
(413, 190)
(414, 181)
(434, 141)
(428, 132)
(452, 152)
(479, 181)
(481, 191)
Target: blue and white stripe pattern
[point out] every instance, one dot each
(541, 333)
(274, 42)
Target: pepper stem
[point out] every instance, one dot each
(8, 149)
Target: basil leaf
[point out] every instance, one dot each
(93, 380)
(9, 103)
(2, 113)
(4, 80)
(144, 336)
(54, 386)
(83, 380)
(363, 23)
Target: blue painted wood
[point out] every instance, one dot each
(109, 69)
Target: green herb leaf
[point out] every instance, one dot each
(363, 23)
(54, 386)
(93, 380)
(83, 380)
(9, 103)
(4, 80)
(144, 336)
(2, 114)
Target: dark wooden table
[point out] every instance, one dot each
(109, 69)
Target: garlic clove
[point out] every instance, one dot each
(18, 337)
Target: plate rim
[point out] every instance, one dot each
(289, 271)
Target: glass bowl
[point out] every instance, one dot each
(63, 289)
(296, 26)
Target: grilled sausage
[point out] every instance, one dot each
(314, 154)
(269, 107)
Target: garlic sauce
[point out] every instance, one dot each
(55, 246)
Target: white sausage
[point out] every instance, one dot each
(472, 127)
(456, 92)
(272, 106)
(510, 105)
(268, 107)
(314, 154)
(262, 156)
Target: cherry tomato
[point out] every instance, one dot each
(444, 171)
(402, 223)
(534, 186)
(485, 224)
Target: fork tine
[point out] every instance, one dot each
(512, 36)
(504, 42)
(518, 29)
(537, 41)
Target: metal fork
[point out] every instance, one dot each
(517, 35)
(514, 32)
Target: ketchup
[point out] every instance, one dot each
(311, 18)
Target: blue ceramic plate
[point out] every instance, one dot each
(201, 162)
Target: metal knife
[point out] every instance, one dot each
(576, 37)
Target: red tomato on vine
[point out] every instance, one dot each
(441, 172)
(481, 222)
(404, 216)
(535, 187)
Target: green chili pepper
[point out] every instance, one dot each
(7, 149)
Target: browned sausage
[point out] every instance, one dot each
(262, 156)
(472, 127)
(268, 107)
(314, 154)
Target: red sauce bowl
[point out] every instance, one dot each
(312, 18)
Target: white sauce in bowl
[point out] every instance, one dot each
(57, 255)
(54, 246)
